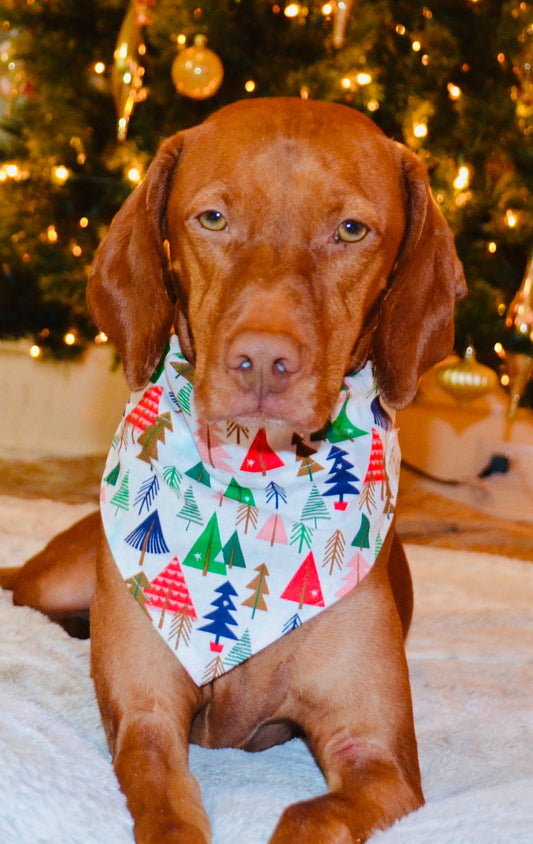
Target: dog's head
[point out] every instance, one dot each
(287, 242)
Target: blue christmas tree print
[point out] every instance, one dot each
(148, 537)
(275, 492)
(220, 618)
(342, 479)
(381, 417)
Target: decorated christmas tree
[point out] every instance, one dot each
(89, 89)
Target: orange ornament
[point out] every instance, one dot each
(197, 71)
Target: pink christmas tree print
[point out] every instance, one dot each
(305, 588)
(356, 569)
(273, 531)
(260, 457)
(210, 448)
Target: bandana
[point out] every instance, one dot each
(230, 535)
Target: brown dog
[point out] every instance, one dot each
(288, 243)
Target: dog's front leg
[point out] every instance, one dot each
(354, 704)
(147, 702)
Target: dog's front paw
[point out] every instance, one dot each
(318, 821)
(169, 832)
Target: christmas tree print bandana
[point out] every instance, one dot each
(230, 536)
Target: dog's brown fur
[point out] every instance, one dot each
(277, 288)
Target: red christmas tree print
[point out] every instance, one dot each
(168, 592)
(304, 587)
(146, 412)
(376, 474)
(260, 457)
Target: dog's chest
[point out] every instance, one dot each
(230, 536)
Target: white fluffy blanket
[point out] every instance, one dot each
(471, 660)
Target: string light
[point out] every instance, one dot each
(35, 351)
(249, 86)
(327, 9)
(511, 218)
(69, 338)
(99, 68)
(416, 46)
(51, 234)
(462, 180)
(134, 175)
(84, 222)
(363, 79)
(292, 10)
(60, 174)
(492, 247)
(454, 91)
(100, 338)
(420, 130)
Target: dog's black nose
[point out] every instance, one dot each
(263, 362)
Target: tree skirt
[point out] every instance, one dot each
(470, 656)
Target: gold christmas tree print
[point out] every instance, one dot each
(259, 589)
(152, 436)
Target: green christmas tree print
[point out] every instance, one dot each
(190, 512)
(341, 428)
(199, 473)
(172, 477)
(314, 508)
(239, 493)
(232, 552)
(113, 476)
(206, 552)
(121, 498)
(241, 651)
(302, 535)
(362, 537)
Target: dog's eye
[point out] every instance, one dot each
(213, 220)
(350, 231)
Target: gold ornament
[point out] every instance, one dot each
(466, 379)
(127, 74)
(197, 71)
(519, 344)
(340, 20)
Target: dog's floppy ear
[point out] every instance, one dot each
(130, 295)
(415, 328)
